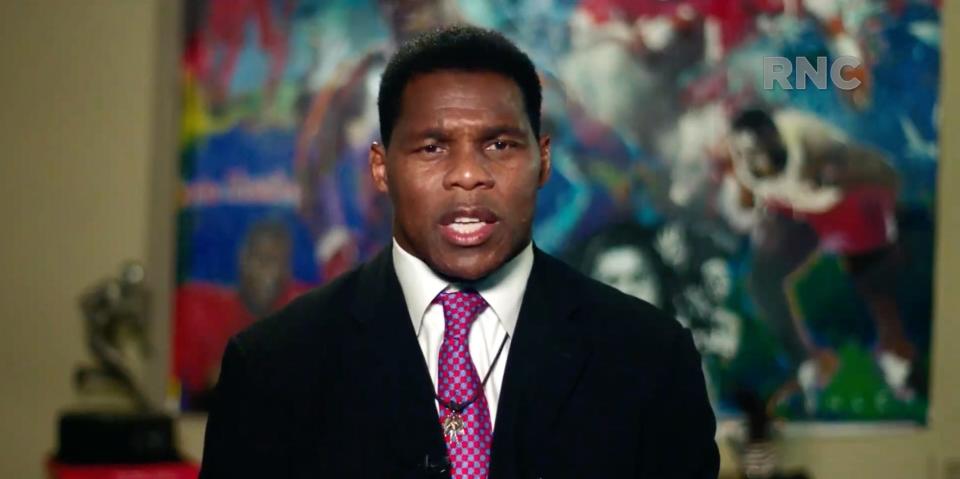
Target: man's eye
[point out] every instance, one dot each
(430, 149)
(501, 145)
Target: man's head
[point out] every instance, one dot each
(757, 142)
(462, 157)
(264, 265)
(624, 256)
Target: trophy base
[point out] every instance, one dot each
(115, 438)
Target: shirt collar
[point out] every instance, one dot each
(502, 290)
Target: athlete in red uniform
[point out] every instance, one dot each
(207, 315)
(798, 167)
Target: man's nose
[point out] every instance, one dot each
(469, 169)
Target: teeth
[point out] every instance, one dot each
(466, 228)
(466, 220)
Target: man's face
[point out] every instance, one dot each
(748, 148)
(462, 170)
(716, 279)
(264, 270)
(629, 270)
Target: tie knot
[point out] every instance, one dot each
(460, 309)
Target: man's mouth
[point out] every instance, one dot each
(468, 226)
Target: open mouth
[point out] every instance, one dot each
(468, 226)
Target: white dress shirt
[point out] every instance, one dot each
(503, 291)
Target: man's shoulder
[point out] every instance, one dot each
(304, 322)
(608, 310)
(626, 334)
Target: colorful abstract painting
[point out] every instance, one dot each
(789, 224)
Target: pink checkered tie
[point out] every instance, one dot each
(459, 382)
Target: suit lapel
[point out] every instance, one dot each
(379, 306)
(547, 354)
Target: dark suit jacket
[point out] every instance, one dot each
(597, 384)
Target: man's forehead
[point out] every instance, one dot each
(267, 241)
(745, 139)
(446, 89)
(448, 118)
(453, 99)
(460, 76)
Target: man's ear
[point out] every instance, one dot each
(545, 165)
(378, 166)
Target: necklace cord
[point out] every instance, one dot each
(458, 408)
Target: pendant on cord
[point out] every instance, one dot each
(453, 424)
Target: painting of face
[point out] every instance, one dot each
(716, 279)
(264, 269)
(746, 147)
(629, 270)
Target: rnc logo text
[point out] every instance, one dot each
(780, 70)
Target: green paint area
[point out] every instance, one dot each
(839, 319)
(858, 393)
(833, 310)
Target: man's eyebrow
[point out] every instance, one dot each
(433, 133)
(503, 130)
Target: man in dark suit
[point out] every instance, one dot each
(462, 350)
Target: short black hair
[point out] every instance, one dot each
(463, 48)
(755, 120)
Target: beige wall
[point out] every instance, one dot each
(78, 135)
(88, 135)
